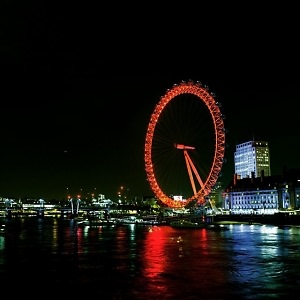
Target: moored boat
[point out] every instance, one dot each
(97, 222)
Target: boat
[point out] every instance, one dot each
(138, 221)
(187, 224)
(97, 222)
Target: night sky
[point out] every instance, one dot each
(79, 87)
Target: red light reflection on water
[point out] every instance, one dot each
(164, 244)
(178, 261)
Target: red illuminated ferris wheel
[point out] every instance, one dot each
(185, 145)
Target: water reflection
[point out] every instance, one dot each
(151, 262)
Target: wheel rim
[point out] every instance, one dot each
(216, 118)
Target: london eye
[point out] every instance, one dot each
(184, 145)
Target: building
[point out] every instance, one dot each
(254, 190)
(252, 157)
(263, 194)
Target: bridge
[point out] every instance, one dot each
(10, 209)
(74, 208)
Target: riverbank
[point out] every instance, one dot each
(282, 218)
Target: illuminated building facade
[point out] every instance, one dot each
(252, 158)
(263, 195)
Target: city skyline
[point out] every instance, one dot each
(105, 152)
(77, 96)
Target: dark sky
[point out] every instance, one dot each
(79, 86)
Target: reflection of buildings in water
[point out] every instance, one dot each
(256, 251)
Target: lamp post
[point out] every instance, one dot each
(119, 194)
(119, 198)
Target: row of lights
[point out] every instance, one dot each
(120, 193)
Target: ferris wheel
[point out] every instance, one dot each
(184, 145)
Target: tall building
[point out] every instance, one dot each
(252, 158)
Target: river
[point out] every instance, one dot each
(55, 257)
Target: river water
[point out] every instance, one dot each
(55, 257)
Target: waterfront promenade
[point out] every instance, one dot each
(282, 218)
